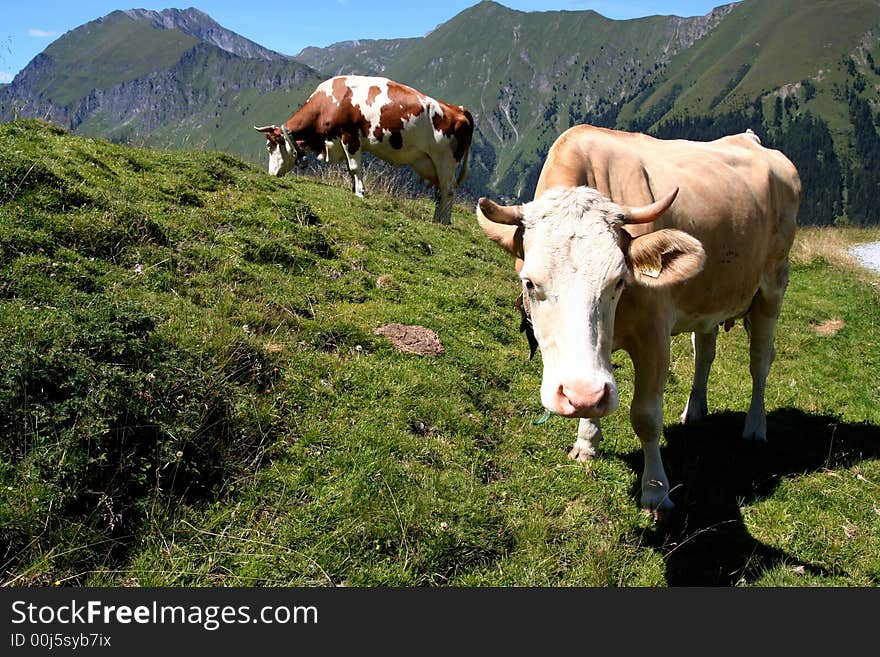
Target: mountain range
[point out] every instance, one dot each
(802, 73)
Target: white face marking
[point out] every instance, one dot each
(572, 272)
(279, 161)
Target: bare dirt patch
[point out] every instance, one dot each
(412, 339)
(829, 327)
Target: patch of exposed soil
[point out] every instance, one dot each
(829, 327)
(412, 339)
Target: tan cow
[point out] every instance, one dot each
(349, 114)
(626, 273)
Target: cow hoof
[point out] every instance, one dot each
(755, 429)
(660, 515)
(694, 413)
(582, 451)
(656, 502)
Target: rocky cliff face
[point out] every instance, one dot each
(690, 30)
(170, 95)
(18, 100)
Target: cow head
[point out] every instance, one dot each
(574, 260)
(284, 152)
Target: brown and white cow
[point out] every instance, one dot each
(631, 239)
(349, 114)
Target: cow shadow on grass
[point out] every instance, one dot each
(713, 473)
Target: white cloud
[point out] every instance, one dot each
(5, 76)
(42, 34)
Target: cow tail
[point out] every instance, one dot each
(463, 171)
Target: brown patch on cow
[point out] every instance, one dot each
(403, 104)
(324, 118)
(371, 95)
(412, 339)
(829, 327)
(341, 90)
(456, 122)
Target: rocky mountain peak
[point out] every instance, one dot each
(199, 25)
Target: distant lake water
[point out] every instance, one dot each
(868, 255)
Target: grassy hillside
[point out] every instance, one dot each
(192, 394)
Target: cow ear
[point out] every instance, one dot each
(665, 257)
(508, 236)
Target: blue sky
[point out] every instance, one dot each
(288, 27)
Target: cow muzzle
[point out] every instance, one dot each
(582, 399)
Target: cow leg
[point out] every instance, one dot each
(704, 354)
(761, 325)
(587, 444)
(353, 161)
(651, 364)
(762, 330)
(445, 191)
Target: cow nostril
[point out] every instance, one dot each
(587, 396)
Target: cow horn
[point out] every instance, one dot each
(647, 213)
(510, 215)
(266, 128)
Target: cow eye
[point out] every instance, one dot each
(619, 285)
(528, 285)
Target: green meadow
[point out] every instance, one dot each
(192, 394)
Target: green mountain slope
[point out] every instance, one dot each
(800, 73)
(363, 57)
(124, 46)
(104, 52)
(761, 48)
(531, 75)
(210, 98)
(173, 78)
(192, 394)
